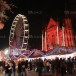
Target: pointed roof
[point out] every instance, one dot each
(51, 23)
(67, 22)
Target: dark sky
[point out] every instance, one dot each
(38, 13)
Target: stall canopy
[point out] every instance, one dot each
(35, 53)
(60, 50)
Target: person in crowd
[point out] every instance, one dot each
(48, 66)
(53, 66)
(39, 66)
(13, 67)
(30, 65)
(23, 67)
(57, 66)
(45, 64)
(10, 68)
(69, 66)
(19, 69)
(26, 68)
(62, 67)
(6, 68)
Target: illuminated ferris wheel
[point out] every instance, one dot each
(19, 33)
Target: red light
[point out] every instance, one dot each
(1, 25)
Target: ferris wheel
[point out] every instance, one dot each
(19, 33)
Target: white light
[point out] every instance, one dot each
(6, 51)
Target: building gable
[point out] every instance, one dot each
(51, 23)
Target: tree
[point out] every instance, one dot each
(4, 6)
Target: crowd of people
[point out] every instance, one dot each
(57, 66)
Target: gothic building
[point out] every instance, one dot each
(55, 34)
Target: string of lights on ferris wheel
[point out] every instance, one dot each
(19, 33)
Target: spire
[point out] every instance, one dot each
(51, 23)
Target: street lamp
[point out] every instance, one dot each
(6, 52)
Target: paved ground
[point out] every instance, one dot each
(33, 73)
(1, 73)
(30, 73)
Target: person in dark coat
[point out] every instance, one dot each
(19, 69)
(63, 68)
(13, 67)
(30, 65)
(23, 68)
(6, 69)
(10, 69)
(39, 67)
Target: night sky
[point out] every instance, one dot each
(38, 13)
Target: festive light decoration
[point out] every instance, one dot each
(1, 25)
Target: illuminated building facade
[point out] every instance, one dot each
(54, 34)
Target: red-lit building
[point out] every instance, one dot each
(53, 34)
